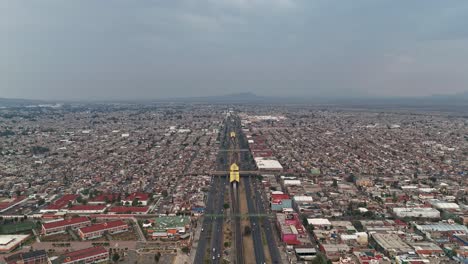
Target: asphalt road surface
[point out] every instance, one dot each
(267, 226)
(255, 223)
(217, 227)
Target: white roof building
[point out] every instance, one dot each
(292, 182)
(444, 205)
(268, 164)
(318, 221)
(302, 198)
(416, 212)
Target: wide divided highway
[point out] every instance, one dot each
(210, 245)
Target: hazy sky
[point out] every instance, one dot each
(108, 49)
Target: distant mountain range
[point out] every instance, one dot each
(10, 102)
(460, 99)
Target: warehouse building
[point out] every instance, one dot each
(427, 249)
(444, 205)
(267, 164)
(391, 244)
(416, 212)
(320, 223)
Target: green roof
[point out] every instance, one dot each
(17, 228)
(167, 222)
(315, 171)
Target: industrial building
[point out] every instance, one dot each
(334, 251)
(391, 244)
(427, 249)
(320, 223)
(416, 212)
(444, 205)
(268, 164)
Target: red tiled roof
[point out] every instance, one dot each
(84, 253)
(7, 204)
(87, 208)
(62, 202)
(125, 209)
(66, 222)
(279, 197)
(102, 197)
(102, 226)
(138, 195)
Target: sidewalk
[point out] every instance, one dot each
(196, 237)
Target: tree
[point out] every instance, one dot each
(369, 214)
(164, 193)
(226, 206)
(335, 183)
(40, 202)
(247, 230)
(135, 202)
(157, 257)
(115, 257)
(186, 250)
(358, 225)
(319, 259)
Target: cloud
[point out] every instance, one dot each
(158, 48)
(247, 4)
